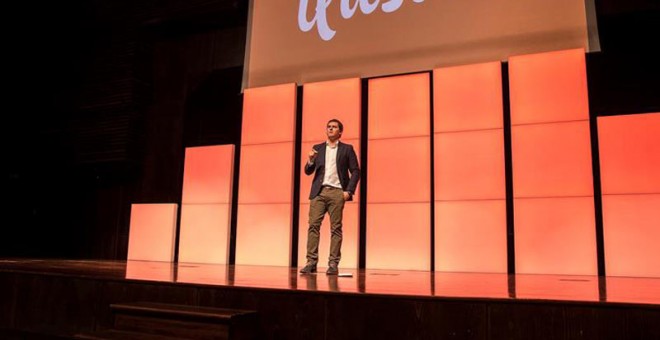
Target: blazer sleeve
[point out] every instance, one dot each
(309, 168)
(354, 170)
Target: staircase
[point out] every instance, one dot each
(156, 321)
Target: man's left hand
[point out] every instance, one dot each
(347, 195)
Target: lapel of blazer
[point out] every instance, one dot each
(340, 149)
(321, 156)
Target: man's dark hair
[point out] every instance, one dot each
(341, 126)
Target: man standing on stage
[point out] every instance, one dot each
(336, 175)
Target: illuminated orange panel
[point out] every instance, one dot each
(207, 174)
(469, 165)
(152, 232)
(556, 287)
(340, 99)
(467, 97)
(269, 114)
(306, 181)
(264, 221)
(264, 235)
(204, 233)
(633, 290)
(399, 170)
(207, 181)
(350, 242)
(398, 210)
(630, 153)
(150, 271)
(266, 173)
(548, 87)
(632, 234)
(470, 236)
(471, 285)
(399, 106)
(555, 233)
(555, 236)
(552, 160)
(398, 236)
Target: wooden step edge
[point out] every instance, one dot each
(111, 334)
(187, 311)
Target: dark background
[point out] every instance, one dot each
(102, 97)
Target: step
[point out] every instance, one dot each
(180, 311)
(181, 321)
(112, 334)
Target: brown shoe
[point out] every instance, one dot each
(308, 269)
(332, 270)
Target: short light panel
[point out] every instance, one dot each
(152, 232)
(629, 149)
(206, 204)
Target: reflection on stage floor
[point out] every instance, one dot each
(370, 281)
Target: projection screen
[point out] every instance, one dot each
(305, 41)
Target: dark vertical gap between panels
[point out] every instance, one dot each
(364, 141)
(598, 198)
(508, 168)
(233, 228)
(432, 141)
(295, 211)
(602, 288)
(591, 61)
(592, 65)
(511, 285)
(179, 207)
(177, 233)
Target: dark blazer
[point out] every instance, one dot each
(347, 164)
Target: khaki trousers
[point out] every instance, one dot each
(330, 200)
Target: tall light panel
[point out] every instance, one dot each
(340, 99)
(470, 193)
(554, 218)
(263, 231)
(399, 173)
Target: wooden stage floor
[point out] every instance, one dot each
(379, 282)
(66, 297)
